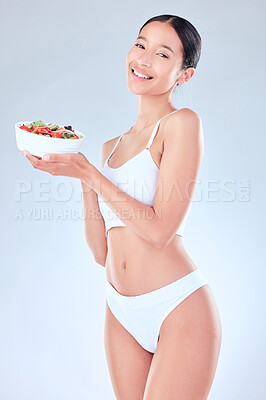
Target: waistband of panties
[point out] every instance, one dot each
(194, 279)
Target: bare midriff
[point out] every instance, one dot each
(134, 266)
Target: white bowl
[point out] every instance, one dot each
(38, 145)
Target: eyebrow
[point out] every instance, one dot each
(161, 45)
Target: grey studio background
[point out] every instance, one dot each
(64, 62)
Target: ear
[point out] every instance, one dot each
(186, 75)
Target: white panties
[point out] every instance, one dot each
(143, 315)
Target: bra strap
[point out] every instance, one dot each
(155, 130)
(114, 147)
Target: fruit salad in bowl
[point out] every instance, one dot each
(39, 138)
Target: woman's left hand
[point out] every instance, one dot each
(67, 164)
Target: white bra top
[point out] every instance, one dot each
(137, 177)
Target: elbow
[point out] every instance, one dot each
(162, 238)
(160, 244)
(100, 260)
(159, 240)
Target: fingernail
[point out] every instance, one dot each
(46, 157)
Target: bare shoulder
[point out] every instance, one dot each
(106, 149)
(185, 115)
(185, 122)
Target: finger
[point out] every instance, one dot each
(34, 159)
(38, 161)
(53, 157)
(51, 168)
(26, 152)
(40, 164)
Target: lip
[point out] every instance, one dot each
(140, 71)
(137, 78)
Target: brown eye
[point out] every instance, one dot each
(143, 48)
(163, 55)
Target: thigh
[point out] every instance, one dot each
(185, 361)
(128, 362)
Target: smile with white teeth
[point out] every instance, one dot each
(140, 75)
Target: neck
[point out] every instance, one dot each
(151, 109)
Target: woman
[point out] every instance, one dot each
(162, 327)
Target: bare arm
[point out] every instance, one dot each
(180, 163)
(93, 221)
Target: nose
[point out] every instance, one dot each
(144, 60)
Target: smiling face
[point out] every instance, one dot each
(156, 53)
